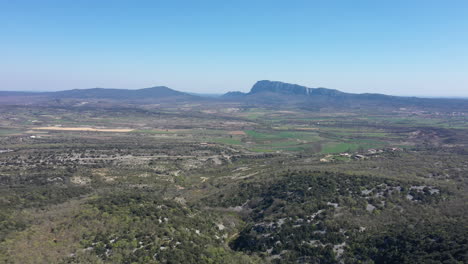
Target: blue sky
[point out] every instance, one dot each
(395, 47)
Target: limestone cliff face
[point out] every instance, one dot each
(291, 89)
(279, 87)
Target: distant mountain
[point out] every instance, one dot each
(291, 89)
(276, 93)
(102, 93)
(272, 88)
(152, 93)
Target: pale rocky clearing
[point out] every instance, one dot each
(122, 130)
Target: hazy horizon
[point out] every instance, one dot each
(417, 48)
(219, 94)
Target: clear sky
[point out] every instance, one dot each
(409, 47)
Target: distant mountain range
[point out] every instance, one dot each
(268, 93)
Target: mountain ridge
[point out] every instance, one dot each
(275, 93)
(259, 87)
(265, 93)
(296, 89)
(105, 93)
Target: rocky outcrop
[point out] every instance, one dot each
(291, 89)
